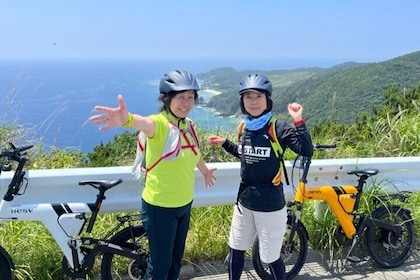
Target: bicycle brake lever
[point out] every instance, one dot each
(6, 167)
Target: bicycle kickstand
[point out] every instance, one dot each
(350, 258)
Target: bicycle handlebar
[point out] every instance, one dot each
(15, 153)
(305, 161)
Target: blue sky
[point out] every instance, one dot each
(356, 30)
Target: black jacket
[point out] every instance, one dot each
(260, 167)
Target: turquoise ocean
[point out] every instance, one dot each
(53, 100)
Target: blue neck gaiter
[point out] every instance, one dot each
(256, 123)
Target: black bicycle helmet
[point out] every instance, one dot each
(178, 80)
(256, 82)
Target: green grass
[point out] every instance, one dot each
(209, 231)
(32, 248)
(389, 132)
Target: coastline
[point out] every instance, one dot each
(212, 91)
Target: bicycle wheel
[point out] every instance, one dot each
(120, 267)
(293, 255)
(5, 269)
(385, 248)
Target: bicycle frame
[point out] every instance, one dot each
(64, 221)
(343, 200)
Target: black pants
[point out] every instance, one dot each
(166, 229)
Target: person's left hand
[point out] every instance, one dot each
(295, 111)
(209, 177)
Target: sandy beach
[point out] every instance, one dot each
(212, 91)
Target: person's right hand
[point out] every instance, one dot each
(216, 140)
(111, 117)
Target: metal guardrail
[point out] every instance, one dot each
(61, 185)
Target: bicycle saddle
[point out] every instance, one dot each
(101, 184)
(368, 172)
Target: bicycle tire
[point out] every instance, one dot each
(294, 259)
(387, 250)
(120, 267)
(5, 269)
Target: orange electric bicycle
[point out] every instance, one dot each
(389, 229)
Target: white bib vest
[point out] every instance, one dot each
(171, 150)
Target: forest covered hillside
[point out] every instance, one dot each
(340, 93)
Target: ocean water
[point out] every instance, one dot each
(53, 100)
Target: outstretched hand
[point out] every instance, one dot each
(111, 117)
(215, 140)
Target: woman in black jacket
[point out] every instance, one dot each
(260, 206)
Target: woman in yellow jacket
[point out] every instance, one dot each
(169, 187)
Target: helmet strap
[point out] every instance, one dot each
(173, 114)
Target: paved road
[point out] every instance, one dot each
(319, 267)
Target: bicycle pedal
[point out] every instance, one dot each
(353, 259)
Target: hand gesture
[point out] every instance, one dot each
(215, 140)
(295, 111)
(209, 177)
(111, 117)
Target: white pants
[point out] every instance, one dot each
(269, 226)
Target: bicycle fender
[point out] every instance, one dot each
(7, 257)
(122, 233)
(382, 208)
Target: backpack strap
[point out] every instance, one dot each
(274, 140)
(277, 147)
(272, 134)
(172, 147)
(191, 130)
(196, 142)
(240, 129)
